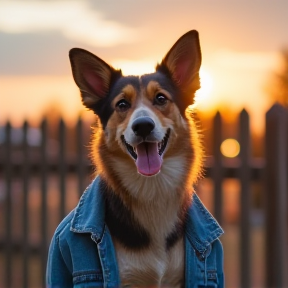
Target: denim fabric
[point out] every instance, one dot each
(82, 254)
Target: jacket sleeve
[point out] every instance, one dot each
(57, 274)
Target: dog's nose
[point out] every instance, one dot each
(143, 126)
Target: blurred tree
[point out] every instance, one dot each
(279, 86)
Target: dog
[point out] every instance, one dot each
(147, 149)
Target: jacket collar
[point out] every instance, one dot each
(201, 227)
(89, 217)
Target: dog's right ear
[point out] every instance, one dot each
(92, 75)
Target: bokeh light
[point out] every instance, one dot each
(230, 148)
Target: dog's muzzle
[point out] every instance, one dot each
(148, 155)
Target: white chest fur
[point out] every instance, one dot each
(153, 266)
(157, 211)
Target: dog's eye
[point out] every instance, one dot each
(160, 99)
(122, 105)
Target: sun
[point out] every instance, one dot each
(204, 93)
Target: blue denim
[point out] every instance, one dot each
(82, 254)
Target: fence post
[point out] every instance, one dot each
(276, 197)
(8, 204)
(245, 200)
(44, 218)
(62, 166)
(217, 173)
(26, 167)
(80, 158)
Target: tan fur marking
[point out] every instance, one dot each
(128, 93)
(153, 88)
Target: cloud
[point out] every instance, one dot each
(75, 19)
(35, 53)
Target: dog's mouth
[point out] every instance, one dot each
(148, 155)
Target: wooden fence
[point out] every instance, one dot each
(30, 163)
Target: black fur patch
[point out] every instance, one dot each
(165, 80)
(175, 235)
(103, 107)
(121, 222)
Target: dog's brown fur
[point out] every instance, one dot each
(152, 209)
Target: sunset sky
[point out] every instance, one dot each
(240, 40)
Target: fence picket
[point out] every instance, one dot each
(217, 172)
(62, 166)
(245, 200)
(44, 188)
(25, 223)
(8, 206)
(276, 197)
(80, 156)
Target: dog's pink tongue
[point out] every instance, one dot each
(148, 160)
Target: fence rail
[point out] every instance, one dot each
(28, 162)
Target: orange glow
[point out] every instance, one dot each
(31, 97)
(225, 85)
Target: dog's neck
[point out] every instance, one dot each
(153, 209)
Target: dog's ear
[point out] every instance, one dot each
(183, 62)
(92, 75)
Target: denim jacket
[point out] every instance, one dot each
(82, 254)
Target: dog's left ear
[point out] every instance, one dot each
(93, 76)
(183, 62)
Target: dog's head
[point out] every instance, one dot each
(143, 117)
